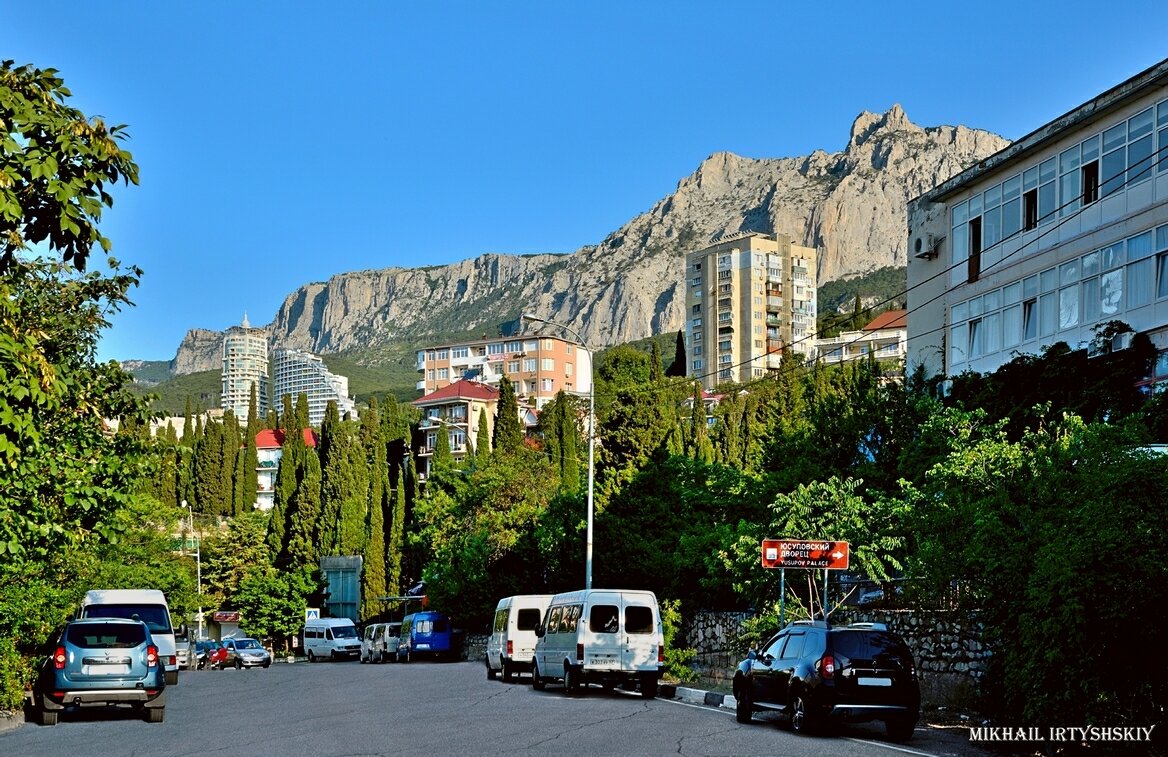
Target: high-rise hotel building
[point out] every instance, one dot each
(296, 373)
(749, 296)
(245, 364)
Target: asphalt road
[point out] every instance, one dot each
(441, 708)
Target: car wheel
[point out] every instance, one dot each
(238, 664)
(801, 719)
(155, 714)
(508, 674)
(648, 687)
(572, 680)
(311, 656)
(537, 681)
(743, 709)
(490, 671)
(900, 728)
(266, 664)
(48, 717)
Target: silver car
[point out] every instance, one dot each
(246, 653)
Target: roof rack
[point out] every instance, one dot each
(869, 626)
(812, 623)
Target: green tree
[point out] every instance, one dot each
(271, 602)
(482, 450)
(230, 555)
(344, 492)
(373, 581)
(393, 549)
(508, 431)
(560, 430)
(304, 524)
(56, 163)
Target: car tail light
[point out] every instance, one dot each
(827, 667)
(172, 660)
(580, 653)
(59, 658)
(151, 656)
(660, 654)
(510, 648)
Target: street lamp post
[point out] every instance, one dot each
(198, 564)
(591, 436)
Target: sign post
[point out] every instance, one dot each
(820, 554)
(311, 613)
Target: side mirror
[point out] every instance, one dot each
(539, 630)
(752, 655)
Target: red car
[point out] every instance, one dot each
(210, 654)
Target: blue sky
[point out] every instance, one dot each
(283, 142)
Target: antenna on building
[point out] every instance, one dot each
(245, 324)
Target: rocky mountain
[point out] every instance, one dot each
(851, 205)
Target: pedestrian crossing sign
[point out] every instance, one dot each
(311, 613)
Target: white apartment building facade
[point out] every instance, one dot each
(295, 372)
(749, 296)
(245, 364)
(884, 338)
(1062, 232)
(538, 366)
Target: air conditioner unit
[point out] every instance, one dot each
(925, 247)
(1121, 341)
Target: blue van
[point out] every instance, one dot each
(426, 634)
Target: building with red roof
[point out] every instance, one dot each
(885, 337)
(269, 450)
(456, 407)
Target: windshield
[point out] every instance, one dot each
(344, 632)
(247, 644)
(105, 635)
(156, 618)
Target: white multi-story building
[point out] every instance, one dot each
(245, 364)
(296, 373)
(749, 296)
(885, 338)
(1062, 232)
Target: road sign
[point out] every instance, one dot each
(788, 553)
(311, 613)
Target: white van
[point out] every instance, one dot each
(605, 636)
(511, 645)
(147, 605)
(331, 639)
(380, 642)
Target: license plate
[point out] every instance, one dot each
(606, 662)
(105, 670)
(423, 646)
(864, 681)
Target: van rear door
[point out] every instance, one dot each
(602, 634)
(639, 637)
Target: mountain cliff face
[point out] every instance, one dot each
(850, 205)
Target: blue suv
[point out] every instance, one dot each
(101, 662)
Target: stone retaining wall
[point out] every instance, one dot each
(951, 658)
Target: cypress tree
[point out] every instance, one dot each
(561, 438)
(393, 548)
(249, 491)
(302, 528)
(677, 368)
(656, 369)
(508, 432)
(482, 452)
(373, 584)
(442, 459)
(188, 438)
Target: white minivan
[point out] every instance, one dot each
(511, 645)
(331, 639)
(146, 605)
(606, 636)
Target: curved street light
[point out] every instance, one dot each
(198, 563)
(591, 434)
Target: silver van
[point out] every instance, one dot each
(511, 645)
(606, 636)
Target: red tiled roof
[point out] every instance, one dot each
(893, 319)
(269, 439)
(467, 390)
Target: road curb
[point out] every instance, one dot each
(697, 696)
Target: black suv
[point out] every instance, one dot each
(819, 674)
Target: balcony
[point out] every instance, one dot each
(421, 385)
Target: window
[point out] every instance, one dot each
(443, 373)
(603, 619)
(1069, 307)
(976, 347)
(1070, 180)
(554, 616)
(513, 366)
(458, 352)
(1030, 210)
(1090, 181)
(974, 261)
(1139, 149)
(567, 369)
(1030, 318)
(1046, 191)
(545, 385)
(547, 344)
(1162, 274)
(513, 347)
(638, 619)
(697, 309)
(530, 345)
(529, 365)
(443, 355)
(495, 348)
(698, 365)
(724, 345)
(547, 364)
